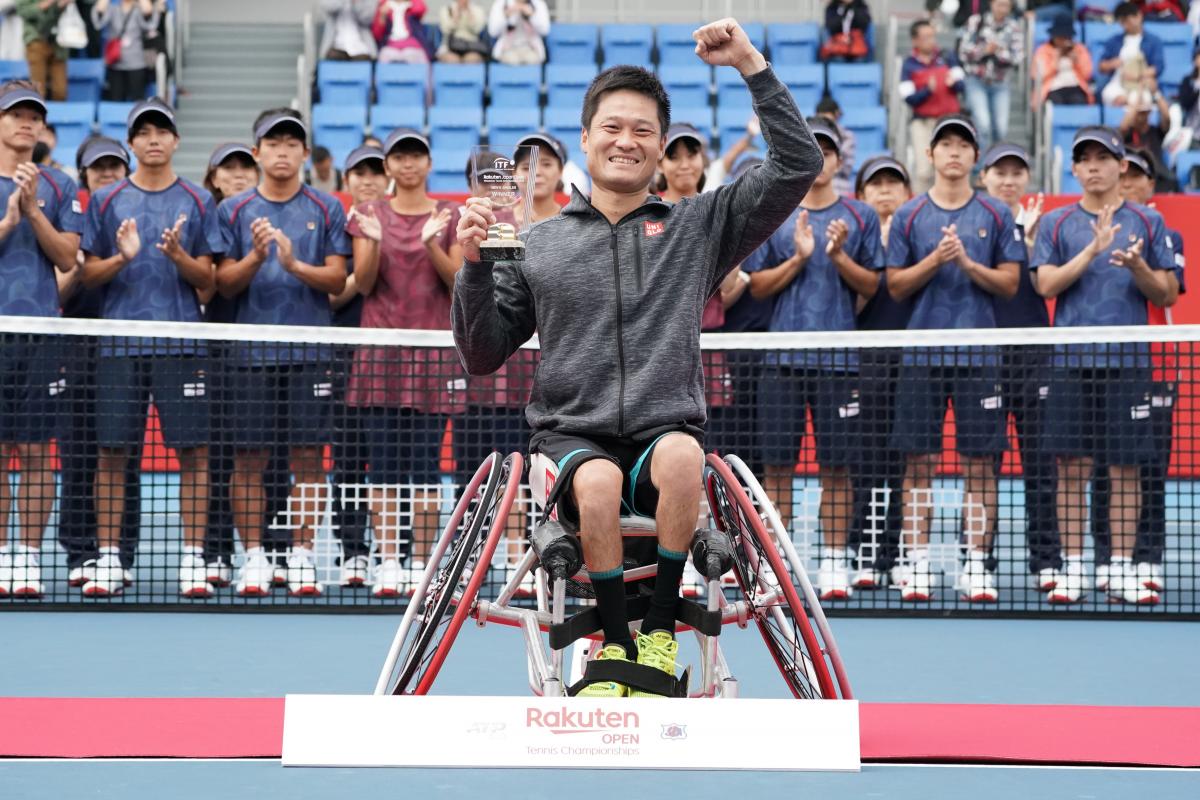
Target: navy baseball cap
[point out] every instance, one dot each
(685, 130)
(274, 121)
(165, 114)
(224, 151)
(1140, 161)
(959, 125)
(1002, 150)
(404, 135)
(1106, 137)
(100, 147)
(547, 143)
(878, 164)
(16, 97)
(826, 130)
(360, 154)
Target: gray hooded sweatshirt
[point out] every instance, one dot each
(618, 307)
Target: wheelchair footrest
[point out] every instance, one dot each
(635, 676)
(587, 622)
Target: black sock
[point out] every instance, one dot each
(665, 600)
(610, 604)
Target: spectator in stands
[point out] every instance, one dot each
(323, 176)
(405, 261)
(878, 475)
(47, 61)
(40, 228)
(346, 33)
(1129, 58)
(1064, 67)
(1137, 130)
(285, 251)
(1024, 370)
(231, 170)
(992, 45)
(952, 251)
(397, 29)
(1163, 10)
(843, 181)
(132, 271)
(930, 82)
(462, 23)
(1103, 260)
(518, 27)
(12, 32)
(822, 262)
(846, 24)
(126, 23)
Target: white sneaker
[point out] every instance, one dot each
(1046, 579)
(869, 578)
(82, 574)
(918, 587)
(193, 577)
(279, 574)
(26, 574)
(127, 577)
(1123, 585)
(109, 579)
(254, 578)
(693, 582)
(975, 582)
(355, 572)
(5, 571)
(900, 575)
(1073, 584)
(1103, 575)
(391, 580)
(1150, 576)
(218, 573)
(302, 573)
(833, 576)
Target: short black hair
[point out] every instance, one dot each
(286, 111)
(630, 79)
(320, 153)
(50, 127)
(1126, 9)
(916, 26)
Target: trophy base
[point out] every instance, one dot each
(501, 250)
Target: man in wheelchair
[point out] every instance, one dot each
(615, 287)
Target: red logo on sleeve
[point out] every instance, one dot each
(654, 228)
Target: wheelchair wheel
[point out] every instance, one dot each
(764, 579)
(473, 530)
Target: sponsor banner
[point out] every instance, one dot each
(565, 733)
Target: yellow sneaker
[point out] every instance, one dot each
(657, 649)
(610, 652)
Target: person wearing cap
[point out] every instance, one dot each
(615, 287)
(1102, 259)
(1140, 133)
(843, 182)
(285, 250)
(823, 259)
(883, 184)
(149, 241)
(39, 236)
(931, 80)
(952, 251)
(1062, 68)
(405, 262)
(547, 175)
(1024, 370)
(231, 170)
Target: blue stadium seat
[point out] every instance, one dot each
(1184, 162)
(699, 116)
(563, 122)
(1041, 32)
(73, 122)
(869, 125)
(676, 45)
(455, 127)
(111, 118)
(449, 173)
(855, 84)
(458, 85)
(13, 70)
(386, 118)
(1095, 34)
(806, 83)
(506, 125)
(566, 86)
(1065, 120)
(338, 128)
(627, 44)
(401, 84)
(794, 43)
(345, 83)
(756, 32)
(732, 91)
(731, 126)
(85, 79)
(689, 85)
(515, 86)
(1177, 53)
(572, 44)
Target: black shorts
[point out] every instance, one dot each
(979, 414)
(179, 386)
(631, 454)
(1106, 414)
(286, 405)
(832, 397)
(486, 429)
(32, 387)
(403, 445)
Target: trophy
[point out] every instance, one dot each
(508, 183)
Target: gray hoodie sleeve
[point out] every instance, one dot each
(742, 215)
(492, 314)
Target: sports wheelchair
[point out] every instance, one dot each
(772, 589)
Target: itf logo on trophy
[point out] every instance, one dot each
(510, 188)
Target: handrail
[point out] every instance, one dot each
(173, 52)
(310, 40)
(303, 87)
(161, 77)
